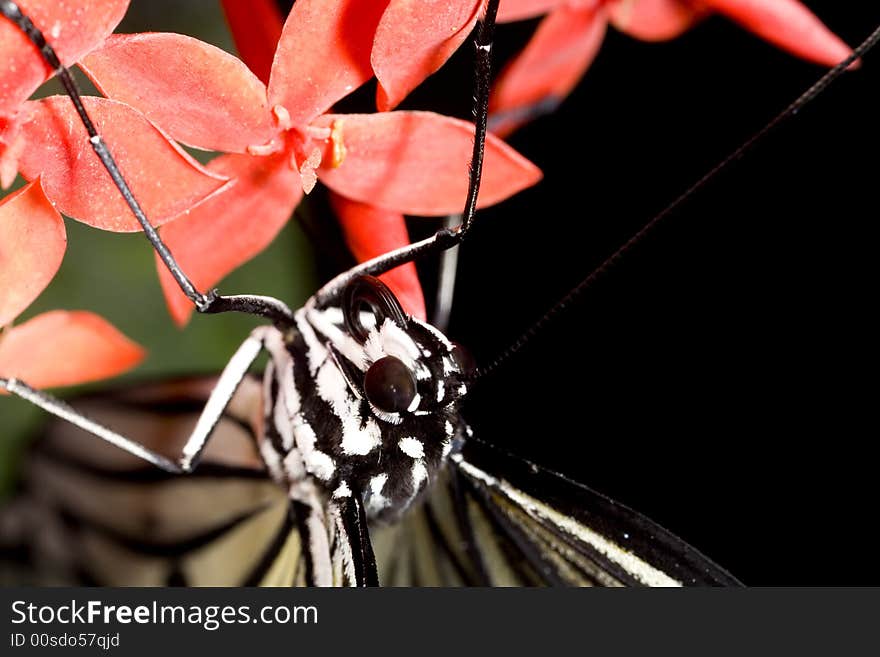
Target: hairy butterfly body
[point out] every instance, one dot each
(328, 417)
(364, 416)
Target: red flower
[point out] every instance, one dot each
(73, 29)
(414, 39)
(402, 162)
(45, 138)
(568, 39)
(56, 348)
(369, 230)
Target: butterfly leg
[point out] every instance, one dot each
(192, 450)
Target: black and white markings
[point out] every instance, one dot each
(320, 428)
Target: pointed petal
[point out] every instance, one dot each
(32, 244)
(654, 20)
(517, 10)
(228, 230)
(198, 94)
(323, 55)
(414, 39)
(72, 28)
(370, 232)
(165, 180)
(62, 348)
(787, 24)
(256, 28)
(542, 75)
(417, 162)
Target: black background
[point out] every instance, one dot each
(721, 378)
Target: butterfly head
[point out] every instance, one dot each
(395, 384)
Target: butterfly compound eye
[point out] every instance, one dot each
(390, 385)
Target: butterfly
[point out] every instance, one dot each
(490, 516)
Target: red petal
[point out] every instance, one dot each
(560, 52)
(12, 145)
(370, 232)
(231, 228)
(32, 244)
(414, 39)
(787, 24)
(197, 93)
(417, 162)
(61, 348)
(653, 20)
(256, 28)
(323, 55)
(165, 180)
(517, 10)
(72, 28)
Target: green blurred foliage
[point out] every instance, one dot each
(115, 275)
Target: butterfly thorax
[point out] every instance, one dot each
(372, 414)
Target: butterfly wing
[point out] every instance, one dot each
(502, 520)
(90, 513)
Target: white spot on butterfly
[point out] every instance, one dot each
(360, 438)
(419, 476)
(377, 483)
(412, 447)
(375, 502)
(391, 340)
(342, 491)
(320, 465)
(316, 462)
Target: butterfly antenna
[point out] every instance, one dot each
(445, 238)
(210, 303)
(483, 83)
(821, 85)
